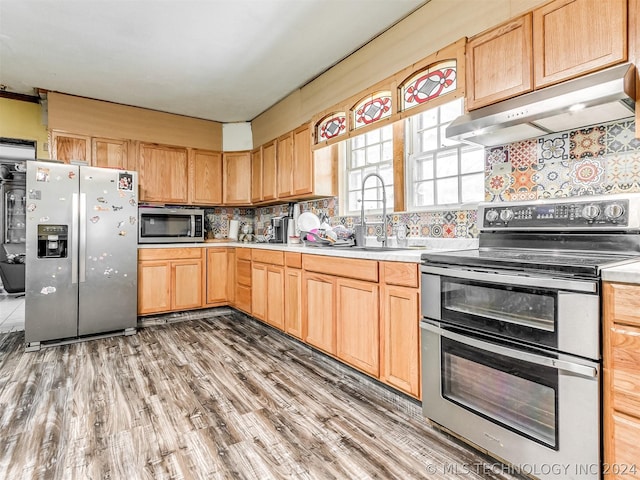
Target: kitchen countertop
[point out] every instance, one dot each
(628, 273)
(412, 254)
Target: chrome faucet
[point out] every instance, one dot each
(381, 238)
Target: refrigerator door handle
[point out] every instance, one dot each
(74, 238)
(82, 251)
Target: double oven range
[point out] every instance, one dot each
(511, 331)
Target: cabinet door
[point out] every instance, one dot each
(243, 284)
(318, 311)
(256, 175)
(236, 178)
(275, 296)
(358, 325)
(69, 146)
(111, 153)
(499, 63)
(163, 174)
(231, 275)
(400, 338)
(285, 165)
(259, 291)
(293, 302)
(186, 284)
(269, 171)
(154, 287)
(621, 458)
(205, 177)
(217, 275)
(302, 161)
(574, 37)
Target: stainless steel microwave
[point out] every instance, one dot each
(170, 225)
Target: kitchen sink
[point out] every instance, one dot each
(379, 249)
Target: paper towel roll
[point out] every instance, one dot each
(234, 225)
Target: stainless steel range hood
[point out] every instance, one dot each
(596, 98)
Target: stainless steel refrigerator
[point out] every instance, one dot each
(81, 253)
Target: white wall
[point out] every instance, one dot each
(236, 137)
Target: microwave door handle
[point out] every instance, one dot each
(193, 226)
(582, 370)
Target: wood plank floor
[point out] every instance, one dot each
(216, 398)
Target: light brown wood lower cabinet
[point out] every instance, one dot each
(170, 279)
(154, 286)
(400, 326)
(358, 324)
(217, 276)
(400, 338)
(259, 291)
(319, 311)
(621, 358)
(293, 301)
(242, 297)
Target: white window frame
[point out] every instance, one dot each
(412, 145)
(370, 207)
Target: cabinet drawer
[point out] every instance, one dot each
(398, 273)
(243, 253)
(293, 259)
(624, 303)
(268, 256)
(623, 454)
(342, 267)
(624, 367)
(169, 253)
(243, 272)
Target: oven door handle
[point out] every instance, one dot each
(519, 280)
(555, 363)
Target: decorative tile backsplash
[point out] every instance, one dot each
(590, 161)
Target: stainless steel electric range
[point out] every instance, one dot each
(511, 331)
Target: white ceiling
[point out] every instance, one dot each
(223, 60)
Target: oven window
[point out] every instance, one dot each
(515, 394)
(165, 225)
(528, 307)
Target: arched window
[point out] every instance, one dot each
(371, 109)
(429, 83)
(331, 126)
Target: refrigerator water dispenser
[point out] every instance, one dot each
(52, 241)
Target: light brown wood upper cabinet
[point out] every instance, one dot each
(69, 146)
(499, 63)
(236, 185)
(269, 170)
(302, 161)
(205, 177)
(109, 152)
(285, 165)
(256, 175)
(575, 37)
(556, 42)
(163, 174)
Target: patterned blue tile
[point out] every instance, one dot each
(621, 137)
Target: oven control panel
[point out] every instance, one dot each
(587, 213)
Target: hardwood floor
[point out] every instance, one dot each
(217, 398)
